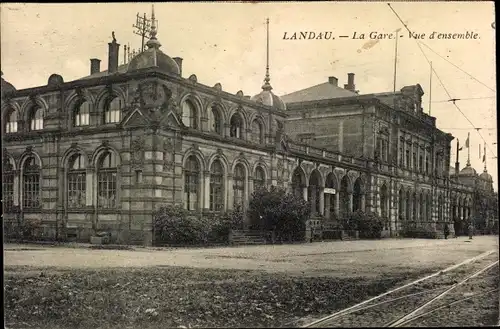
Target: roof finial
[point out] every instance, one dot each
(153, 42)
(267, 85)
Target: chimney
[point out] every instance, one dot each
(114, 47)
(95, 65)
(333, 81)
(350, 82)
(178, 60)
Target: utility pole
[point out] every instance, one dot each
(143, 27)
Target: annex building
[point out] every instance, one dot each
(101, 153)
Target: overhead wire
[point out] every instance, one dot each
(441, 82)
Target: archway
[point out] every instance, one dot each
(357, 195)
(314, 193)
(344, 198)
(298, 182)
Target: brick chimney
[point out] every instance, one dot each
(333, 81)
(178, 60)
(95, 65)
(114, 48)
(350, 82)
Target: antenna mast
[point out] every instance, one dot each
(143, 27)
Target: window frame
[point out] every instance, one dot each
(111, 113)
(216, 198)
(35, 120)
(78, 115)
(239, 186)
(192, 188)
(76, 177)
(107, 180)
(8, 179)
(11, 124)
(31, 183)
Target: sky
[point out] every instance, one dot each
(226, 43)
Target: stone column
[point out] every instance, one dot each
(337, 207)
(89, 186)
(321, 201)
(206, 203)
(362, 202)
(350, 203)
(16, 188)
(304, 193)
(229, 192)
(312, 189)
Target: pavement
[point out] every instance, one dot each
(336, 258)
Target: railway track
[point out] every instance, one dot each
(421, 300)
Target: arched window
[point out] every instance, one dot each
(239, 185)
(189, 114)
(257, 133)
(36, 119)
(216, 186)
(215, 120)
(236, 126)
(106, 181)
(31, 183)
(421, 208)
(76, 182)
(344, 198)
(298, 182)
(259, 180)
(401, 205)
(191, 183)
(11, 122)
(408, 206)
(383, 201)
(8, 183)
(112, 110)
(82, 114)
(357, 195)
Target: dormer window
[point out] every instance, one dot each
(112, 110)
(36, 119)
(11, 125)
(82, 114)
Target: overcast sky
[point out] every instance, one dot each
(225, 42)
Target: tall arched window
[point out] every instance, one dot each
(421, 208)
(189, 114)
(314, 192)
(191, 183)
(36, 119)
(31, 183)
(215, 120)
(298, 182)
(257, 133)
(11, 122)
(408, 206)
(259, 180)
(239, 185)
(344, 198)
(357, 195)
(401, 205)
(112, 110)
(82, 114)
(8, 183)
(216, 186)
(236, 126)
(383, 201)
(106, 181)
(76, 182)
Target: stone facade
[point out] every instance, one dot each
(103, 152)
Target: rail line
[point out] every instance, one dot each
(409, 316)
(412, 315)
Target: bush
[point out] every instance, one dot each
(279, 211)
(369, 225)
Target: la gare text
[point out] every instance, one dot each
(329, 35)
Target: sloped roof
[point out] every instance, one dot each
(121, 69)
(319, 92)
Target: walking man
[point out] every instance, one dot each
(471, 229)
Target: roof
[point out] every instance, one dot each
(319, 92)
(121, 69)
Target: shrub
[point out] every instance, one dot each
(369, 225)
(279, 211)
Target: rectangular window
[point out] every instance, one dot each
(420, 164)
(407, 163)
(106, 189)
(401, 156)
(414, 164)
(31, 195)
(138, 176)
(76, 189)
(191, 193)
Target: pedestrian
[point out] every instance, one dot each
(471, 229)
(446, 230)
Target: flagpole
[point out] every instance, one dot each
(468, 149)
(457, 164)
(395, 60)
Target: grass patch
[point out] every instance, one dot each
(166, 297)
